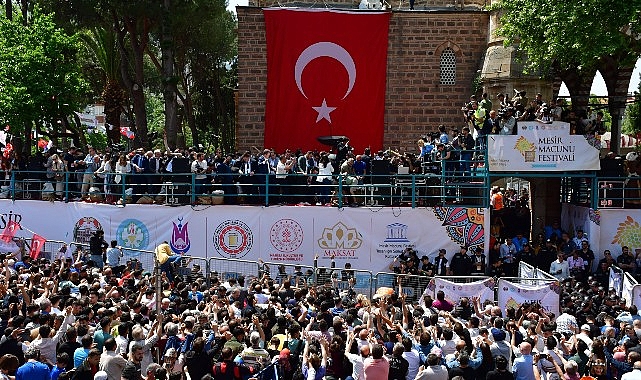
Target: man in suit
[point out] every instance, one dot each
(247, 168)
(139, 180)
(155, 168)
(226, 179)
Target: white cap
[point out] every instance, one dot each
(100, 375)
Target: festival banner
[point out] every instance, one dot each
(526, 270)
(324, 78)
(543, 147)
(619, 228)
(369, 239)
(513, 295)
(483, 290)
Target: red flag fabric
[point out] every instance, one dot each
(326, 74)
(10, 231)
(37, 242)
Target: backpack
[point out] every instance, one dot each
(221, 371)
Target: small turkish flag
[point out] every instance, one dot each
(37, 242)
(326, 75)
(9, 231)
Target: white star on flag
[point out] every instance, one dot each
(323, 112)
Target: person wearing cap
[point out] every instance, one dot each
(500, 346)
(33, 369)
(478, 262)
(440, 263)
(461, 264)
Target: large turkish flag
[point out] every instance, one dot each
(326, 73)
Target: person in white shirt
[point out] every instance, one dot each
(199, 167)
(356, 359)
(560, 268)
(48, 345)
(434, 370)
(111, 362)
(413, 359)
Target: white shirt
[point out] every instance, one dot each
(634, 375)
(560, 270)
(324, 171)
(203, 166)
(414, 362)
(357, 365)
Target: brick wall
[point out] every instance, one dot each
(415, 101)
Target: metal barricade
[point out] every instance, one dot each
(48, 251)
(191, 267)
(297, 272)
(225, 269)
(413, 286)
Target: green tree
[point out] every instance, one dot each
(572, 40)
(40, 79)
(632, 118)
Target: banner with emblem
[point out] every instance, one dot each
(368, 239)
(512, 294)
(454, 291)
(543, 147)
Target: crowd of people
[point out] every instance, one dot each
(295, 176)
(86, 317)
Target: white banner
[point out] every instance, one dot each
(369, 239)
(483, 289)
(626, 288)
(526, 270)
(636, 296)
(538, 146)
(615, 281)
(574, 218)
(513, 295)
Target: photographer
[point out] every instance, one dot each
(199, 168)
(507, 122)
(97, 247)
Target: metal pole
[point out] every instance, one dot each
(158, 283)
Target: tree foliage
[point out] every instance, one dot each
(571, 34)
(632, 118)
(40, 78)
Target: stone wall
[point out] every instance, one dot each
(416, 102)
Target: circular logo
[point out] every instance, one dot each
(233, 239)
(84, 228)
(286, 235)
(132, 233)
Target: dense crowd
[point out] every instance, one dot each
(86, 316)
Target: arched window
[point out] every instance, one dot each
(448, 67)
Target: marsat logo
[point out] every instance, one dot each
(180, 237)
(233, 239)
(132, 233)
(340, 241)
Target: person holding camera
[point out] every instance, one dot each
(199, 168)
(97, 247)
